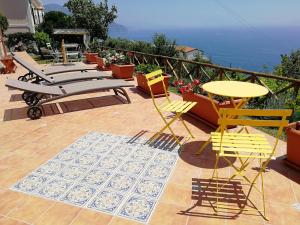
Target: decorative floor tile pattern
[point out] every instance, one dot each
(114, 174)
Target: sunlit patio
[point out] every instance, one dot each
(187, 193)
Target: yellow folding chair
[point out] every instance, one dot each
(177, 107)
(246, 148)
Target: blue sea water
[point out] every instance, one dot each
(257, 49)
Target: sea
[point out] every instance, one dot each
(251, 48)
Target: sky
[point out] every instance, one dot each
(204, 13)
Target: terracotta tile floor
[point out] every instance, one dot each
(26, 144)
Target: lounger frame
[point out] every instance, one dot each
(40, 94)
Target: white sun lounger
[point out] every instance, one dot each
(37, 76)
(40, 94)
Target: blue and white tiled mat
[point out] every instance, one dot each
(106, 173)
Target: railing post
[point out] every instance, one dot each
(296, 90)
(198, 72)
(221, 74)
(180, 69)
(165, 65)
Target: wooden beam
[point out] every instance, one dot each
(172, 68)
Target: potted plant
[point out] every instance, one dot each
(293, 133)
(91, 57)
(92, 52)
(9, 65)
(293, 143)
(101, 60)
(120, 65)
(204, 109)
(158, 88)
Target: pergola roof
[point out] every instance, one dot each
(70, 31)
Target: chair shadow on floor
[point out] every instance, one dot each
(198, 123)
(66, 107)
(205, 160)
(231, 194)
(164, 141)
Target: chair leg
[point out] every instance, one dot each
(186, 127)
(202, 148)
(263, 190)
(165, 127)
(216, 175)
(252, 184)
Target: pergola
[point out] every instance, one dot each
(78, 32)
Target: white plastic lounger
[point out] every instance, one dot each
(36, 75)
(40, 94)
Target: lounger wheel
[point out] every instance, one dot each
(34, 113)
(25, 95)
(31, 99)
(22, 78)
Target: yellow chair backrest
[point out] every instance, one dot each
(249, 118)
(154, 78)
(232, 117)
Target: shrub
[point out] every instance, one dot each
(95, 46)
(118, 43)
(141, 46)
(290, 65)
(41, 38)
(160, 46)
(163, 46)
(146, 68)
(24, 38)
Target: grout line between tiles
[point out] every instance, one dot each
(12, 218)
(76, 216)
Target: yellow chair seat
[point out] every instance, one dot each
(177, 106)
(242, 145)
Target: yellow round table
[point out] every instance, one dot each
(235, 89)
(232, 89)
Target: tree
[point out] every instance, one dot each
(163, 46)
(41, 39)
(199, 57)
(3, 23)
(96, 18)
(54, 20)
(3, 27)
(290, 65)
